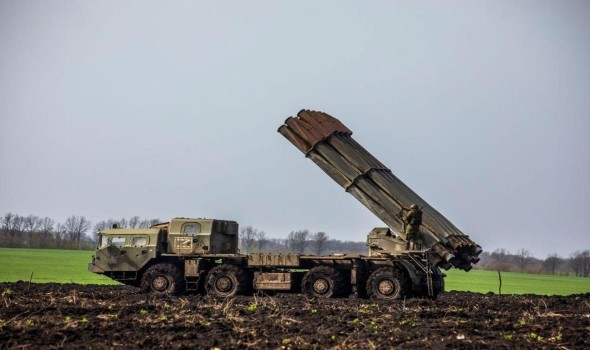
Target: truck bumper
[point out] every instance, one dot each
(94, 268)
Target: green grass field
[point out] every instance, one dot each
(70, 266)
(48, 265)
(483, 281)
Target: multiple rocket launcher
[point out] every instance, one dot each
(329, 144)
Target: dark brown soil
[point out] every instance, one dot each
(76, 316)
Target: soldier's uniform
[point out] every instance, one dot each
(413, 220)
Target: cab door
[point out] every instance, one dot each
(110, 252)
(190, 240)
(138, 251)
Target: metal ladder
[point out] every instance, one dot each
(427, 270)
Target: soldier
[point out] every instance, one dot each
(412, 221)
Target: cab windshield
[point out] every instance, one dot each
(103, 241)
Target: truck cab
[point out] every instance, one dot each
(124, 253)
(201, 236)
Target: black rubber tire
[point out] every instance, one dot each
(439, 284)
(163, 279)
(228, 281)
(323, 282)
(388, 283)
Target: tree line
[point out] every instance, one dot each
(502, 259)
(303, 241)
(77, 232)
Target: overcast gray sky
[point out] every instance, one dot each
(160, 109)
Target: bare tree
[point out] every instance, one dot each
(248, 236)
(500, 260)
(12, 228)
(500, 255)
(11, 223)
(580, 262)
(31, 225)
(552, 263)
(122, 223)
(7, 222)
(134, 221)
(76, 227)
(101, 226)
(585, 256)
(277, 244)
(298, 240)
(47, 227)
(523, 258)
(60, 235)
(17, 224)
(261, 240)
(147, 223)
(319, 241)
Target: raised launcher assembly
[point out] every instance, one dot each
(329, 144)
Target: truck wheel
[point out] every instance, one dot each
(438, 281)
(227, 281)
(387, 283)
(323, 282)
(163, 279)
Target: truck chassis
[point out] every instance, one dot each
(404, 275)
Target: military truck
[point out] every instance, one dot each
(202, 255)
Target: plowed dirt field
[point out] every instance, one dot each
(77, 316)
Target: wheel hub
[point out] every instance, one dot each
(160, 283)
(223, 284)
(386, 287)
(320, 286)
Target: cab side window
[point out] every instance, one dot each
(103, 241)
(139, 241)
(191, 228)
(117, 241)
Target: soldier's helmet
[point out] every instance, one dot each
(413, 206)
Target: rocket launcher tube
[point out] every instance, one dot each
(329, 144)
